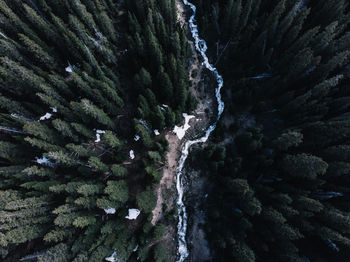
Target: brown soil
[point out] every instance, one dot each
(168, 178)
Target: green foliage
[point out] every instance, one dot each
(146, 201)
(279, 191)
(85, 65)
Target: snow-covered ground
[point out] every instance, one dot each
(69, 68)
(133, 214)
(113, 257)
(98, 135)
(48, 115)
(132, 154)
(45, 117)
(110, 210)
(180, 131)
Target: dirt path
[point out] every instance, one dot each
(168, 177)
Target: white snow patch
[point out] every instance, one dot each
(46, 116)
(98, 135)
(132, 154)
(133, 213)
(156, 132)
(181, 130)
(137, 138)
(69, 68)
(113, 257)
(165, 106)
(44, 161)
(136, 248)
(110, 210)
(54, 109)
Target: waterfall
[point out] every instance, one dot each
(201, 47)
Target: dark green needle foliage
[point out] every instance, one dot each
(79, 79)
(280, 189)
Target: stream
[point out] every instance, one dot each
(201, 47)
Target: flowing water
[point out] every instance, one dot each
(201, 47)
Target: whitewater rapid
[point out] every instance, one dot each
(201, 47)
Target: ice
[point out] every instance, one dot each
(181, 130)
(133, 214)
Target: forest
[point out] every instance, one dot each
(91, 89)
(279, 162)
(88, 89)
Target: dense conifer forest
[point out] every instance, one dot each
(279, 162)
(86, 87)
(90, 88)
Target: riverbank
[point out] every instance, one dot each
(166, 190)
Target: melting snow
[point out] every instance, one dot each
(132, 154)
(156, 132)
(133, 214)
(181, 130)
(110, 210)
(46, 116)
(98, 135)
(69, 68)
(137, 138)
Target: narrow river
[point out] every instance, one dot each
(201, 47)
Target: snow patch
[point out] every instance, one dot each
(46, 116)
(54, 109)
(110, 210)
(136, 138)
(69, 68)
(44, 161)
(113, 257)
(98, 135)
(132, 154)
(133, 214)
(136, 248)
(181, 130)
(156, 132)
